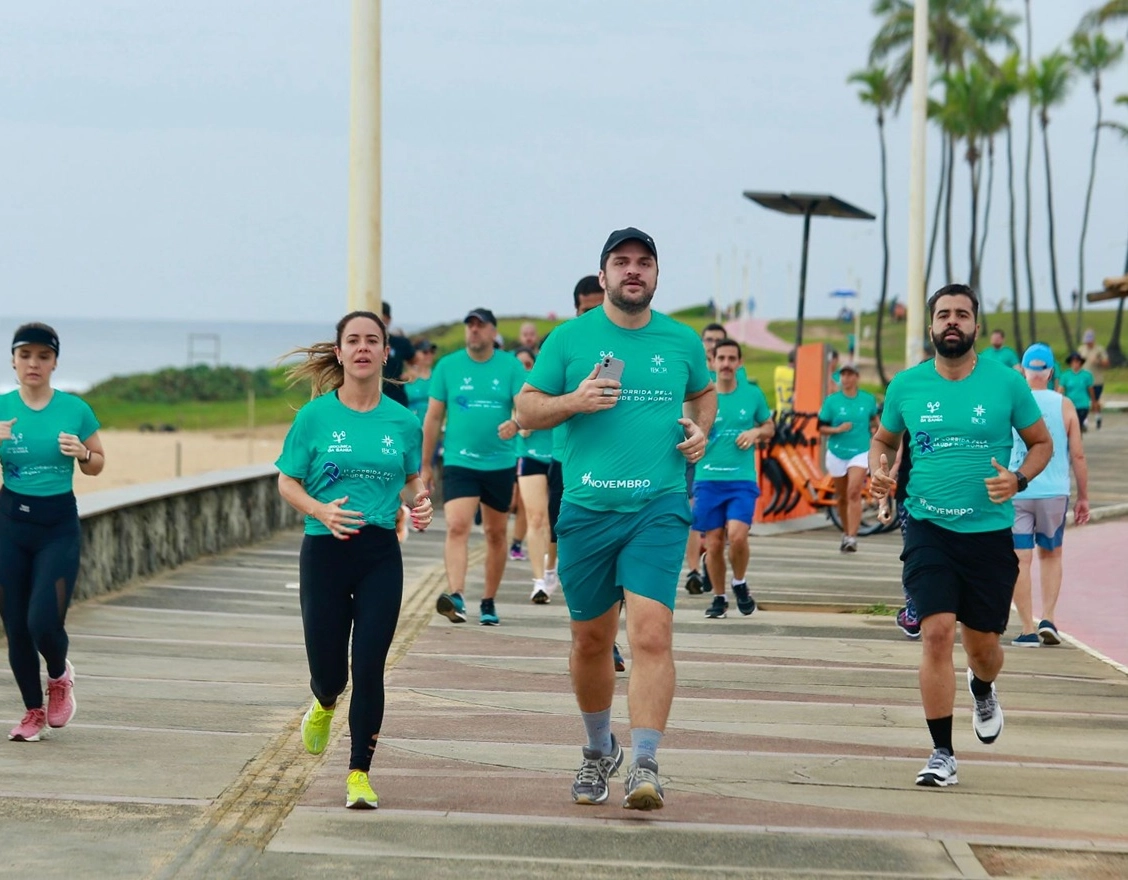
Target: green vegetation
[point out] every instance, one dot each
(208, 398)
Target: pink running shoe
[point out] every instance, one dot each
(60, 698)
(33, 726)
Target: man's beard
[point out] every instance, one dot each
(952, 350)
(631, 307)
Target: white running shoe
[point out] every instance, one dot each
(539, 596)
(940, 770)
(987, 716)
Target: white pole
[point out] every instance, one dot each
(914, 288)
(364, 159)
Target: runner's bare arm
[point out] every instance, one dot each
(432, 428)
(883, 449)
(701, 408)
(1039, 448)
(1077, 460)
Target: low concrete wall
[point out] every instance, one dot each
(130, 533)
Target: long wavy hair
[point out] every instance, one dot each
(321, 368)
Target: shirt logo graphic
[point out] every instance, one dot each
(467, 384)
(658, 362)
(339, 444)
(978, 419)
(606, 354)
(933, 408)
(389, 446)
(924, 442)
(331, 471)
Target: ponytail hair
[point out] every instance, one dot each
(321, 368)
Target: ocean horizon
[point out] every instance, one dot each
(92, 350)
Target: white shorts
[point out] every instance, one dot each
(837, 467)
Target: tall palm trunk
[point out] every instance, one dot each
(884, 254)
(986, 212)
(1015, 306)
(936, 211)
(972, 261)
(1032, 315)
(1085, 217)
(1062, 319)
(948, 211)
(1116, 356)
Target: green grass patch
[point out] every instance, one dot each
(878, 610)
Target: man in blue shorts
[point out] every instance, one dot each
(624, 516)
(959, 561)
(725, 489)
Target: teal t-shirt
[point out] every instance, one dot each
(838, 409)
(478, 398)
(538, 446)
(622, 458)
(955, 428)
(418, 396)
(1076, 387)
(739, 410)
(1006, 356)
(337, 451)
(32, 462)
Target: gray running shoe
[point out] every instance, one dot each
(940, 770)
(590, 785)
(987, 716)
(719, 608)
(644, 791)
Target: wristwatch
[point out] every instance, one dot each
(1023, 482)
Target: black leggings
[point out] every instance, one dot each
(38, 570)
(352, 585)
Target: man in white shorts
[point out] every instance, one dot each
(1039, 510)
(848, 417)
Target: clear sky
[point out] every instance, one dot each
(190, 159)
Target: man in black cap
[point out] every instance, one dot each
(472, 390)
(624, 517)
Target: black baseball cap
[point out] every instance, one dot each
(425, 345)
(36, 334)
(619, 236)
(483, 315)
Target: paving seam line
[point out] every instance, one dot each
(249, 812)
(963, 857)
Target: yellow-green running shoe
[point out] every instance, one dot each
(315, 727)
(360, 795)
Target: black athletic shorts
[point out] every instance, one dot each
(969, 574)
(532, 467)
(555, 494)
(494, 488)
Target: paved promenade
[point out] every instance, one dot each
(795, 736)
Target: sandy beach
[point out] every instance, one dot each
(134, 457)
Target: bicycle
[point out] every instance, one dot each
(789, 462)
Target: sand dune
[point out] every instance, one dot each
(134, 457)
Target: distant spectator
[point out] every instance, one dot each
(1076, 383)
(529, 338)
(400, 352)
(1096, 362)
(997, 351)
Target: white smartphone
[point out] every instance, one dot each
(610, 368)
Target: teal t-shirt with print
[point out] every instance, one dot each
(955, 428)
(337, 451)
(858, 410)
(739, 410)
(418, 396)
(624, 457)
(478, 398)
(1076, 387)
(32, 462)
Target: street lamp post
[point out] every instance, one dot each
(364, 159)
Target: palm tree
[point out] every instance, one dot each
(1115, 352)
(959, 30)
(1032, 314)
(1049, 86)
(994, 120)
(878, 91)
(1111, 10)
(1093, 53)
(1007, 86)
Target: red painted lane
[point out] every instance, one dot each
(1093, 606)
